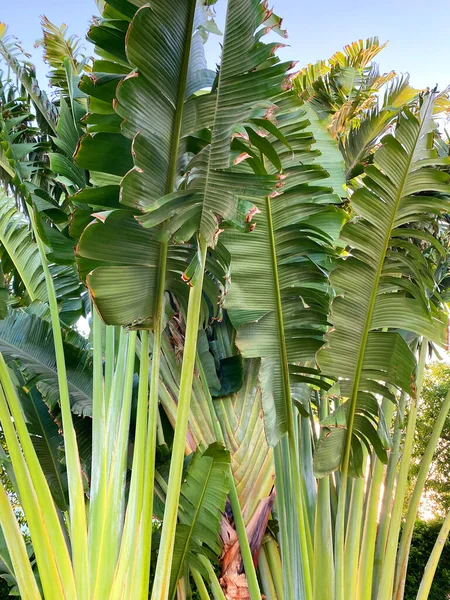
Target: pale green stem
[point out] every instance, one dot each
(78, 522)
(99, 516)
(244, 545)
(213, 581)
(145, 540)
(387, 572)
(276, 568)
(117, 451)
(323, 533)
(51, 552)
(284, 509)
(162, 580)
(366, 562)
(159, 430)
(387, 497)
(98, 410)
(308, 479)
(98, 471)
(24, 575)
(425, 463)
(200, 584)
(353, 537)
(115, 402)
(432, 563)
(304, 533)
(109, 361)
(265, 574)
(126, 584)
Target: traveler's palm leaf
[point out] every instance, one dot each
(278, 298)
(383, 283)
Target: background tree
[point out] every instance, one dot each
(437, 486)
(424, 537)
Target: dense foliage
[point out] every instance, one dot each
(218, 293)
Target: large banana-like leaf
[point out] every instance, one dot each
(383, 283)
(151, 102)
(202, 501)
(118, 258)
(278, 298)
(165, 81)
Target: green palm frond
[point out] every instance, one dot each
(23, 270)
(278, 298)
(384, 275)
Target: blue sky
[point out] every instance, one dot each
(419, 42)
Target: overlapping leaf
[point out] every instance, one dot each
(383, 284)
(278, 298)
(154, 101)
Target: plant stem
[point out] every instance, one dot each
(162, 574)
(273, 556)
(127, 579)
(353, 537)
(52, 554)
(78, 522)
(266, 576)
(282, 500)
(405, 542)
(323, 534)
(98, 407)
(26, 581)
(201, 587)
(109, 362)
(145, 540)
(387, 572)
